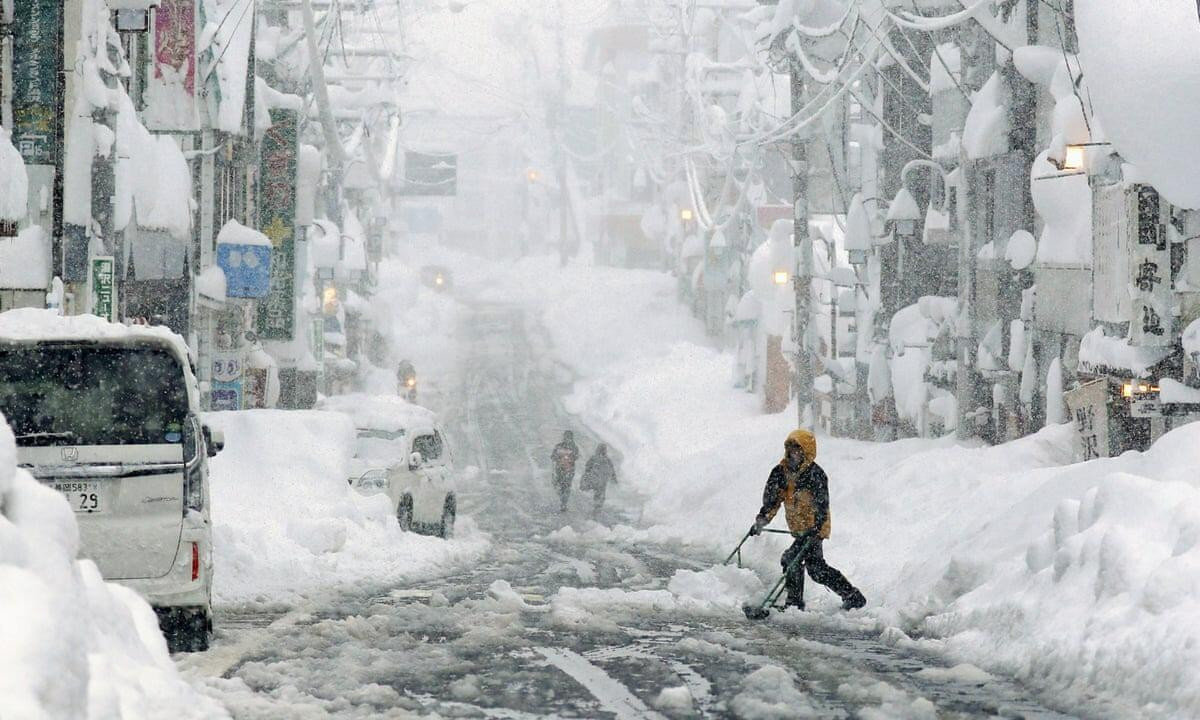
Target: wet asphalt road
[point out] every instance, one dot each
(449, 647)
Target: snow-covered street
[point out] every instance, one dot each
(564, 616)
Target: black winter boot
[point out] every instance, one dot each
(853, 600)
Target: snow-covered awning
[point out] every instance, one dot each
(210, 286)
(14, 182)
(235, 233)
(1099, 352)
(25, 260)
(325, 247)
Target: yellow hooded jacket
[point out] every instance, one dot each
(803, 493)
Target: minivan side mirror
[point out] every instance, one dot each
(214, 440)
(415, 460)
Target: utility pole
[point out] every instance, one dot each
(564, 197)
(803, 248)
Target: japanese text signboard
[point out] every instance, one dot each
(1088, 404)
(37, 49)
(277, 194)
(103, 288)
(1150, 275)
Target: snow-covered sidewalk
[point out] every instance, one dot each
(1081, 579)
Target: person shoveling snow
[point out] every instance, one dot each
(800, 485)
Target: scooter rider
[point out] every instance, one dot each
(564, 457)
(800, 485)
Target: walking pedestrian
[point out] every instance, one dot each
(597, 474)
(564, 456)
(800, 485)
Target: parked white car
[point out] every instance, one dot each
(401, 451)
(108, 415)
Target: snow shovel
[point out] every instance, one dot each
(738, 550)
(762, 610)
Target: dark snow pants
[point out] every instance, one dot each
(562, 483)
(819, 570)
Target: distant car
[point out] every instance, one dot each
(401, 451)
(437, 277)
(108, 415)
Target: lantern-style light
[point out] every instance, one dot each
(781, 277)
(686, 214)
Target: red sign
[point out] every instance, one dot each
(171, 91)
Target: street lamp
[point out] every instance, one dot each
(781, 277)
(1072, 158)
(532, 175)
(686, 215)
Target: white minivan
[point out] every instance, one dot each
(401, 451)
(108, 415)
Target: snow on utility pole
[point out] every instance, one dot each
(316, 64)
(803, 245)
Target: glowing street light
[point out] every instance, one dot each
(782, 277)
(1073, 158)
(533, 176)
(686, 214)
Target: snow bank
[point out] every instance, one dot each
(287, 524)
(71, 645)
(1080, 579)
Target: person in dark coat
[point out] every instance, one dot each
(597, 474)
(563, 457)
(799, 484)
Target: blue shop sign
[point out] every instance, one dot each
(247, 269)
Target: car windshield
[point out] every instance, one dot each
(379, 444)
(92, 395)
(430, 446)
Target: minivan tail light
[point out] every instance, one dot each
(195, 561)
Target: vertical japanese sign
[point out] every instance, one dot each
(103, 288)
(1088, 404)
(277, 213)
(171, 87)
(1150, 275)
(37, 51)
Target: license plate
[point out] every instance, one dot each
(85, 497)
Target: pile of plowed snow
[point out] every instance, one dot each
(71, 645)
(287, 523)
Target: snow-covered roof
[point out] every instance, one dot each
(1141, 63)
(235, 233)
(25, 260)
(381, 412)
